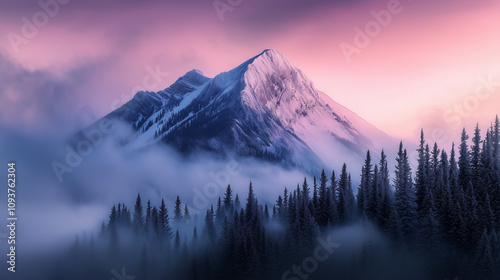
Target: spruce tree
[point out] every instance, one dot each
(279, 208)
(228, 200)
(387, 203)
(495, 169)
(250, 208)
(164, 228)
(364, 192)
(374, 197)
(305, 192)
(476, 171)
(155, 222)
(405, 198)
(237, 203)
(429, 229)
(138, 215)
(421, 179)
(464, 174)
(219, 213)
(187, 215)
(346, 203)
(315, 200)
(148, 220)
(178, 211)
(435, 178)
(332, 203)
(112, 217)
(209, 225)
(324, 201)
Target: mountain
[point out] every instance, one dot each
(264, 108)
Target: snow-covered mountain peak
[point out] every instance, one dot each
(193, 77)
(265, 108)
(186, 83)
(273, 83)
(271, 59)
(195, 73)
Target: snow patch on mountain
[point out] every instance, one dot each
(265, 107)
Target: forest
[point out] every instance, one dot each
(439, 221)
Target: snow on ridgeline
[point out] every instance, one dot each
(264, 108)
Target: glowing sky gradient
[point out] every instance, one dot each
(427, 60)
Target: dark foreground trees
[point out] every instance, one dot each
(439, 222)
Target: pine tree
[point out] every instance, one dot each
(219, 213)
(332, 203)
(187, 215)
(285, 202)
(178, 211)
(374, 197)
(496, 143)
(446, 214)
(293, 226)
(324, 202)
(155, 221)
(476, 154)
(406, 205)
(421, 179)
(251, 208)
(237, 203)
(346, 203)
(456, 190)
(495, 168)
(315, 200)
(228, 200)
(112, 217)
(138, 215)
(487, 175)
(435, 178)
(279, 208)
(387, 199)
(164, 229)
(148, 221)
(225, 236)
(266, 213)
(476, 171)
(364, 188)
(464, 175)
(429, 229)
(305, 192)
(209, 225)
(306, 225)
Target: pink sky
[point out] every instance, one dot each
(427, 62)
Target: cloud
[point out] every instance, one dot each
(113, 174)
(40, 100)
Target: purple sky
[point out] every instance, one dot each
(424, 66)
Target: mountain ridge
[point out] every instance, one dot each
(264, 107)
